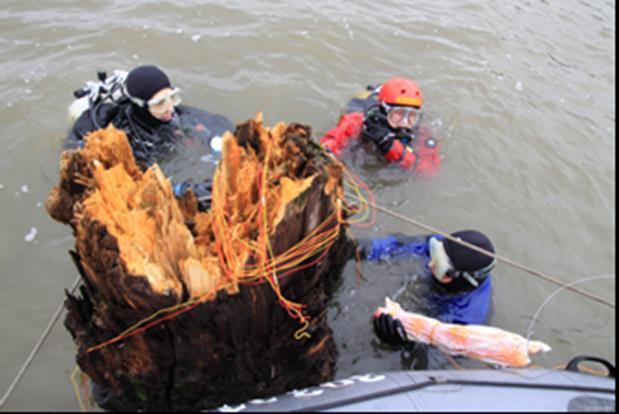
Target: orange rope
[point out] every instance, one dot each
(268, 267)
(142, 329)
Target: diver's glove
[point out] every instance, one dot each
(390, 330)
(201, 190)
(378, 132)
(203, 193)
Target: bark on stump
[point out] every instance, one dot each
(139, 250)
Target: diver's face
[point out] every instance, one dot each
(161, 105)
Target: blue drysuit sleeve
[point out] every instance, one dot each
(395, 245)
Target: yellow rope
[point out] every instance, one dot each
(300, 333)
(159, 312)
(76, 388)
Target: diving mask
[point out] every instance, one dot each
(403, 116)
(159, 104)
(439, 261)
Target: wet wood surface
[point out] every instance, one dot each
(184, 310)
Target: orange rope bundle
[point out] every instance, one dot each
(479, 342)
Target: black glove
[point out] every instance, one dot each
(203, 192)
(376, 130)
(389, 330)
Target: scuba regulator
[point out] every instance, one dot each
(106, 90)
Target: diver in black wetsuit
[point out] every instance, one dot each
(147, 107)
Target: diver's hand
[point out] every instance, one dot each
(380, 135)
(203, 189)
(203, 192)
(389, 330)
(179, 188)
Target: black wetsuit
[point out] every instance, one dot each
(190, 134)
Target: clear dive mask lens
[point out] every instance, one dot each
(439, 261)
(403, 116)
(160, 104)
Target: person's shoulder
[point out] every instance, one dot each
(361, 101)
(356, 117)
(85, 123)
(90, 120)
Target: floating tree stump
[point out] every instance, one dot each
(186, 310)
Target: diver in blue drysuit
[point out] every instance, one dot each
(158, 128)
(458, 278)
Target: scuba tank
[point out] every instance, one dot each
(93, 94)
(361, 101)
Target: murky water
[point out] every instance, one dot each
(523, 93)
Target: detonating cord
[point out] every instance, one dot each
(78, 394)
(555, 293)
(522, 267)
(36, 348)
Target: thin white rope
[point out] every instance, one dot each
(510, 262)
(36, 348)
(555, 293)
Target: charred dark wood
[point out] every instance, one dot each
(238, 342)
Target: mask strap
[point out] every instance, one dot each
(470, 279)
(139, 102)
(474, 277)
